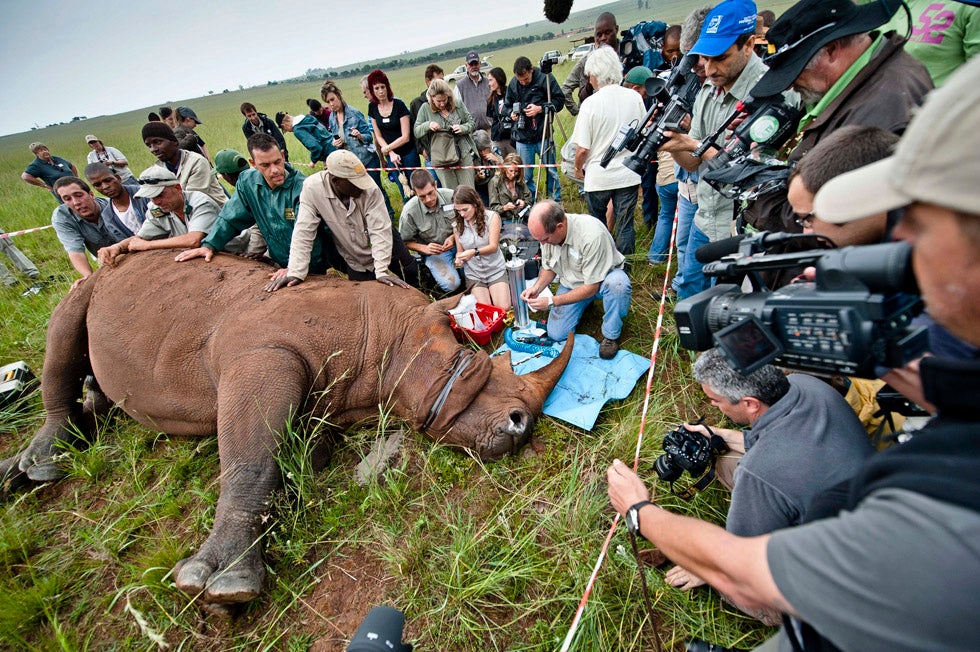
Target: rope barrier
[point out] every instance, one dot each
(573, 628)
(13, 233)
(443, 167)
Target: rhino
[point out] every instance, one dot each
(201, 349)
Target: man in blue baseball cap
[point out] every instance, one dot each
(726, 46)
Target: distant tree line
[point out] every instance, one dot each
(314, 74)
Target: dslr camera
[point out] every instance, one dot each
(521, 118)
(688, 450)
(856, 317)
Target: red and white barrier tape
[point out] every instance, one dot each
(566, 645)
(13, 233)
(441, 167)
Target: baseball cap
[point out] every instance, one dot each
(228, 161)
(638, 75)
(723, 25)
(472, 56)
(935, 162)
(344, 164)
(153, 180)
(806, 27)
(92, 139)
(185, 112)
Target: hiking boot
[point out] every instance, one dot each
(608, 348)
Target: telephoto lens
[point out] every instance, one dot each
(380, 631)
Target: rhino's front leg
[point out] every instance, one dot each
(255, 398)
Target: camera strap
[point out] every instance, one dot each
(651, 614)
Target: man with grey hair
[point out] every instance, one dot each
(602, 114)
(802, 439)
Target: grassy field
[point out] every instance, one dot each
(479, 556)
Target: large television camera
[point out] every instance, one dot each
(673, 100)
(855, 317)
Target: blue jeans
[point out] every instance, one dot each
(694, 280)
(685, 220)
(648, 182)
(624, 204)
(665, 223)
(443, 271)
(410, 159)
(527, 152)
(615, 292)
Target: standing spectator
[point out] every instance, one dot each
(319, 112)
(600, 117)
(426, 227)
(447, 126)
(606, 33)
(477, 234)
(392, 124)
(509, 195)
(352, 131)
(168, 116)
(539, 97)
(109, 156)
(945, 34)
(192, 170)
(501, 126)
(432, 71)
(188, 120)
(260, 123)
(45, 169)
(123, 205)
(313, 135)
(474, 91)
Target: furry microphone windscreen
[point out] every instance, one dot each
(557, 10)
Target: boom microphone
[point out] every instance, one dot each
(709, 253)
(557, 10)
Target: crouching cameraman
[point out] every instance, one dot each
(802, 439)
(889, 561)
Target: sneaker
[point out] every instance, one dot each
(608, 348)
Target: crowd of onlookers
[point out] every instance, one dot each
(818, 519)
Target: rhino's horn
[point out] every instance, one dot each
(543, 380)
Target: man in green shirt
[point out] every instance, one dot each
(268, 196)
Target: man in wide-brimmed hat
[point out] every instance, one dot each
(846, 74)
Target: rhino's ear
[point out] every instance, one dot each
(442, 306)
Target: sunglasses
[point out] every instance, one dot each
(152, 182)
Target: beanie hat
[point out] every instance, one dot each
(158, 130)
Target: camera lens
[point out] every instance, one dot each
(666, 470)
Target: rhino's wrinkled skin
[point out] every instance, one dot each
(200, 349)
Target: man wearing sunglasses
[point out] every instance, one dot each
(846, 73)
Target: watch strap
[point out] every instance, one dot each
(634, 511)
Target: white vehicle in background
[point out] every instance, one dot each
(581, 51)
(554, 56)
(460, 71)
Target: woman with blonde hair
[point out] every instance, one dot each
(509, 195)
(446, 127)
(477, 234)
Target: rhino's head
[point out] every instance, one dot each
(501, 416)
(489, 409)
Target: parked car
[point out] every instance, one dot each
(460, 71)
(554, 56)
(582, 51)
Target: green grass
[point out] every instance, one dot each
(479, 556)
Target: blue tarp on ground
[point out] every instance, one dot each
(588, 381)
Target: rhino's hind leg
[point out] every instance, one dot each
(66, 364)
(256, 396)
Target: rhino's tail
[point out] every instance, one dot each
(66, 365)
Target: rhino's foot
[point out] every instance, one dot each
(40, 459)
(11, 477)
(240, 582)
(96, 404)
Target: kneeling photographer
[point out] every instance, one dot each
(802, 438)
(888, 560)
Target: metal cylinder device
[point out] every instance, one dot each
(516, 281)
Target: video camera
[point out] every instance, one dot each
(673, 100)
(380, 631)
(856, 316)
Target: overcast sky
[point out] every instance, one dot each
(64, 59)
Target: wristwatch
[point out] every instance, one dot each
(633, 517)
(476, 252)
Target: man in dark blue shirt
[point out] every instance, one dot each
(45, 169)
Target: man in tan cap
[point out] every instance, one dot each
(175, 218)
(889, 561)
(350, 203)
(110, 156)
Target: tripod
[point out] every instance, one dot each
(547, 145)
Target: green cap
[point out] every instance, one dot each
(228, 161)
